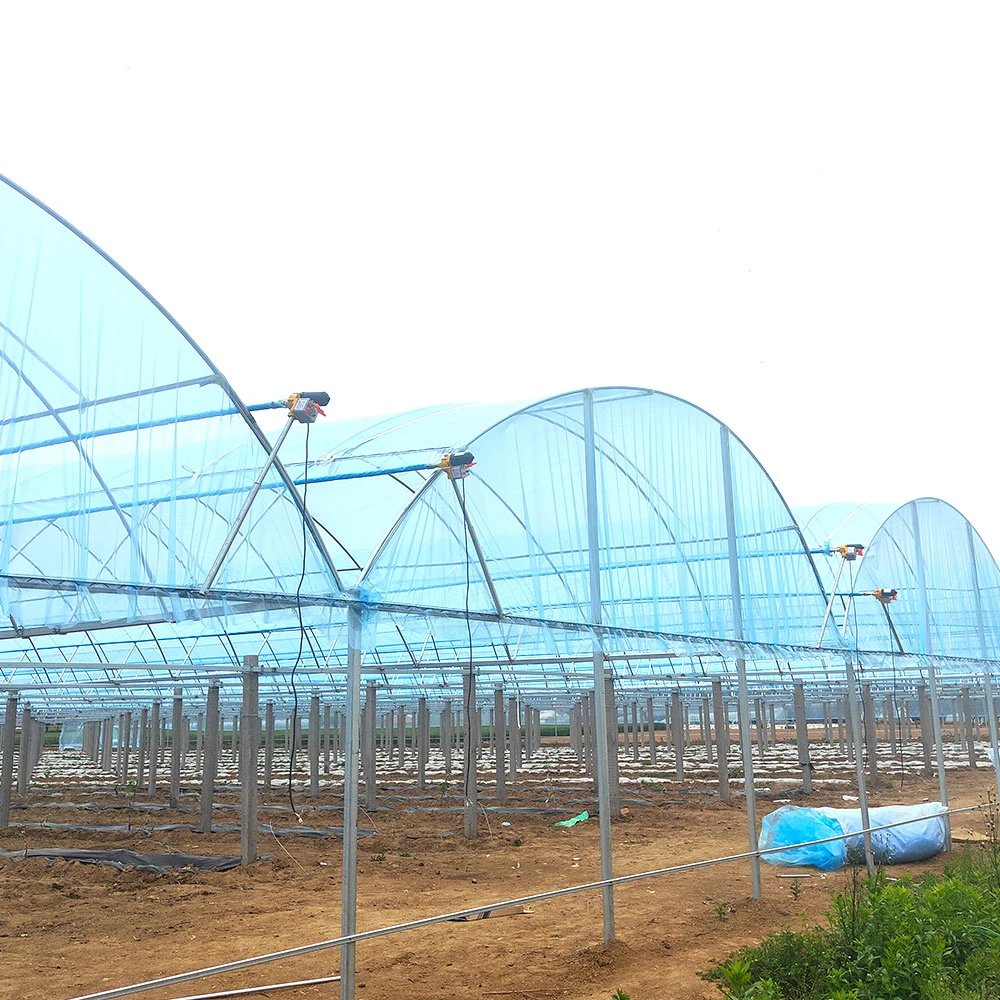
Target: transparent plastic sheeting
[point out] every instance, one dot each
(947, 581)
(663, 535)
(124, 456)
(922, 836)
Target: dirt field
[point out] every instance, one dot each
(68, 929)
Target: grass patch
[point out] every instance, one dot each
(926, 939)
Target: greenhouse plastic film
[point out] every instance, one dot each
(921, 838)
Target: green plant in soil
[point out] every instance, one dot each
(885, 939)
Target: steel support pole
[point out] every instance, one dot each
(942, 786)
(746, 745)
(600, 698)
(991, 718)
(741, 666)
(349, 892)
(851, 701)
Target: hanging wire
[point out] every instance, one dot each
(302, 627)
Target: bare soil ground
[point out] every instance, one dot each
(68, 929)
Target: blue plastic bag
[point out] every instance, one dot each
(795, 825)
(922, 837)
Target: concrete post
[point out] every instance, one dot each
(498, 746)
(7, 762)
(721, 739)
(423, 743)
(176, 725)
(614, 784)
(471, 812)
(514, 737)
(802, 737)
(706, 728)
(326, 739)
(268, 743)
(154, 746)
(367, 734)
(314, 737)
(143, 748)
(969, 734)
(651, 727)
(210, 765)
(249, 748)
(677, 727)
(871, 742)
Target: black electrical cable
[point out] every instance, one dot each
(302, 627)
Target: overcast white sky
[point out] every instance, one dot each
(786, 213)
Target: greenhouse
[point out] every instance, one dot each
(172, 555)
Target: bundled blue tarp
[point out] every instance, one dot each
(922, 837)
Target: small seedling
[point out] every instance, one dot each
(796, 889)
(379, 857)
(720, 911)
(620, 994)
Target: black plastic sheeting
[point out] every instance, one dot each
(124, 860)
(292, 831)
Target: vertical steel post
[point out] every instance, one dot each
(349, 892)
(859, 763)
(939, 744)
(991, 718)
(600, 697)
(741, 666)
